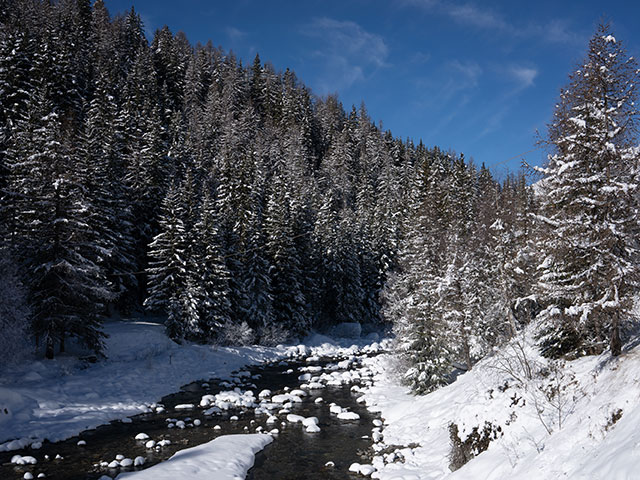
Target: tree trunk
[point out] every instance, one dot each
(49, 349)
(62, 343)
(616, 343)
(512, 322)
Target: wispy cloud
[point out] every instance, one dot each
(478, 16)
(348, 51)
(420, 58)
(469, 14)
(469, 71)
(557, 31)
(523, 76)
(450, 91)
(235, 34)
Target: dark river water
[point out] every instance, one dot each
(294, 453)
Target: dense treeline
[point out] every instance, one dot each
(169, 176)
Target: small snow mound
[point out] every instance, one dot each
(310, 421)
(264, 393)
(312, 428)
(142, 436)
(26, 460)
(348, 416)
(286, 397)
(295, 418)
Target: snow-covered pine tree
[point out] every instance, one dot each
(410, 294)
(588, 206)
(209, 268)
(286, 275)
(168, 263)
(459, 298)
(514, 254)
(110, 216)
(16, 85)
(55, 243)
(258, 310)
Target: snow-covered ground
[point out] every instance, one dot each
(579, 421)
(57, 399)
(226, 458)
(576, 421)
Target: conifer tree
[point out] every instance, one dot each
(208, 268)
(58, 247)
(588, 203)
(168, 253)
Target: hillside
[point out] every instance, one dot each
(574, 419)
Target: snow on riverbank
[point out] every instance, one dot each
(226, 458)
(586, 431)
(57, 399)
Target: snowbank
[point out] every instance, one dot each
(586, 431)
(228, 457)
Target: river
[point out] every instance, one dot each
(294, 454)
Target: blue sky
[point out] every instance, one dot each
(477, 77)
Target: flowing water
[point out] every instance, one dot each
(294, 454)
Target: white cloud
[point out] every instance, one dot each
(524, 76)
(348, 51)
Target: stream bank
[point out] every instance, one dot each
(180, 420)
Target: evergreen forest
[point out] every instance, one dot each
(157, 176)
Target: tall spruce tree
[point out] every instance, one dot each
(52, 237)
(588, 205)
